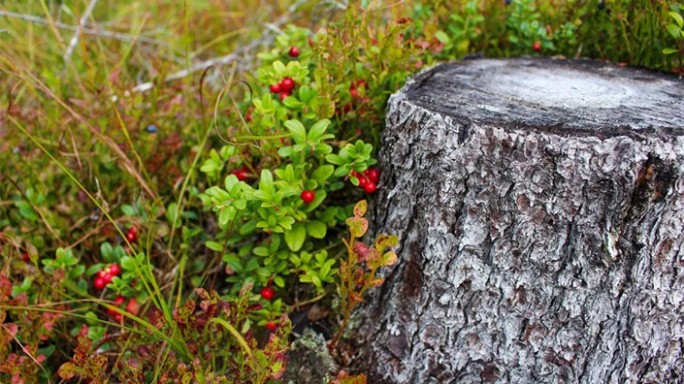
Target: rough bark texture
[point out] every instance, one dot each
(540, 207)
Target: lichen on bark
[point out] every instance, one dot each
(540, 237)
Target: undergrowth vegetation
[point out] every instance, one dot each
(175, 177)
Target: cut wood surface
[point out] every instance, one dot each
(540, 207)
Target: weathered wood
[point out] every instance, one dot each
(540, 207)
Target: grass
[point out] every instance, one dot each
(115, 132)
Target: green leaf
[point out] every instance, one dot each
(248, 227)
(279, 67)
(266, 181)
(298, 131)
(295, 237)
(318, 129)
(292, 102)
(261, 251)
(677, 18)
(322, 173)
(226, 214)
(442, 37)
(316, 229)
(669, 51)
(674, 30)
(214, 246)
(285, 151)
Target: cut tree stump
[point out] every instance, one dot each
(540, 209)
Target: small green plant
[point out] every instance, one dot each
(675, 27)
(358, 273)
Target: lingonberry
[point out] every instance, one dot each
(99, 283)
(268, 293)
(294, 52)
(287, 84)
(115, 269)
(242, 174)
(537, 46)
(118, 301)
(118, 317)
(105, 275)
(283, 95)
(307, 196)
(354, 93)
(373, 174)
(276, 88)
(370, 187)
(271, 326)
(132, 234)
(133, 307)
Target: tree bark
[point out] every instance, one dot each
(540, 210)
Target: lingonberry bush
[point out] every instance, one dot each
(161, 216)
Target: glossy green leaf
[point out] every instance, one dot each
(295, 237)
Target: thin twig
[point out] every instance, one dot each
(82, 23)
(266, 36)
(86, 31)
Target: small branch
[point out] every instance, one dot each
(86, 31)
(82, 23)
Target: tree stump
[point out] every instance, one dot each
(540, 209)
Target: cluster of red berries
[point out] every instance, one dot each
(132, 234)
(284, 88)
(132, 307)
(105, 276)
(307, 196)
(242, 174)
(368, 180)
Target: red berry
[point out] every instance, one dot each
(276, 88)
(287, 84)
(537, 46)
(370, 187)
(373, 174)
(268, 293)
(132, 234)
(115, 269)
(133, 307)
(118, 317)
(25, 256)
(354, 93)
(106, 277)
(119, 300)
(242, 174)
(294, 52)
(99, 283)
(308, 196)
(283, 95)
(271, 326)
(248, 117)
